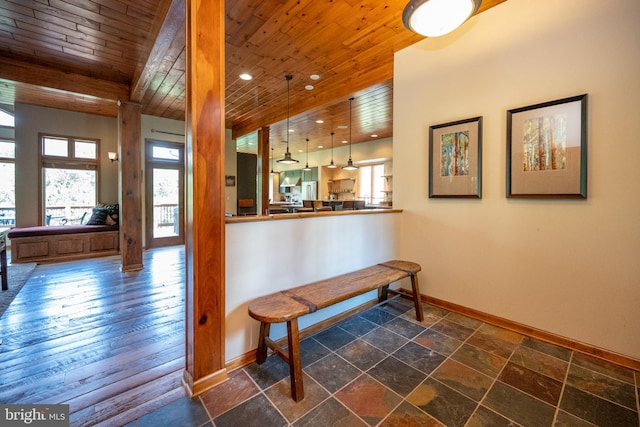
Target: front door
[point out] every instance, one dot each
(164, 194)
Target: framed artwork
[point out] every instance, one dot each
(455, 159)
(547, 149)
(230, 180)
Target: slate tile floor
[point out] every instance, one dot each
(382, 368)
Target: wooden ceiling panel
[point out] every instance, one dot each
(119, 49)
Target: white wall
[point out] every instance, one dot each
(267, 256)
(569, 267)
(30, 120)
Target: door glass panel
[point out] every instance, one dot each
(166, 193)
(166, 153)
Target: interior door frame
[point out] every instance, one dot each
(152, 163)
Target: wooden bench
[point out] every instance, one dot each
(288, 305)
(63, 243)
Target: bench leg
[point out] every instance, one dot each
(261, 352)
(383, 293)
(416, 297)
(295, 363)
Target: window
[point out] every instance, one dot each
(69, 178)
(6, 119)
(371, 184)
(8, 180)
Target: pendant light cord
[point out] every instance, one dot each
(288, 77)
(350, 126)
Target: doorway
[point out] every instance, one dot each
(164, 193)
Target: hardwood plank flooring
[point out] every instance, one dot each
(107, 343)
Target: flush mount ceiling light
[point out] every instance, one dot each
(287, 159)
(245, 76)
(350, 166)
(433, 18)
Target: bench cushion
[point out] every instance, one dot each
(58, 229)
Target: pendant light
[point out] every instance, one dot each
(332, 165)
(350, 166)
(306, 167)
(433, 18)
(287, 159)
(272, 171)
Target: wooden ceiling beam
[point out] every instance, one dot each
(172, 24)
(46, 77)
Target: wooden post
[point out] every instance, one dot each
(205, 191)
(130, 165)
(263, 168)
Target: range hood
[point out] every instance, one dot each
(291, 182)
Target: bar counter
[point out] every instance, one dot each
(258, 218)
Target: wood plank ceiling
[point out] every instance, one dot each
(85, 55)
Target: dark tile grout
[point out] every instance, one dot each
(448, 357)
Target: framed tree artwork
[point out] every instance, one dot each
(455, 159)
(547, 149)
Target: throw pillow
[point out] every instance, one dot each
(98, 217)
(114, 210)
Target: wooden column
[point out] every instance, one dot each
(205, 191)
(130, 165)
(263, 168)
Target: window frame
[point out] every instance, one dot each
(68, 162)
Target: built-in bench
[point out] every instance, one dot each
(63, 243)
(288, 305)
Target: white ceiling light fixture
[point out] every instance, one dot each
(287, 159)
(433, 18)
(350, 166)
(245, 76)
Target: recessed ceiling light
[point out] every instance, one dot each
(320, 146)
(245, 76)
(300, 151)
(291, 131)
(345, 141)
(314, 77)
(343, 127)
(309, 87)
(374, 135)
(319, 121)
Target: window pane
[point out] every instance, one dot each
(6, 119)
(364, 186)
(7, 194)
(378, 182)
(69, 193)
(56, 147)
(165, 153)
(8, 149)
(85, 150)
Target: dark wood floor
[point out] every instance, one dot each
(109, 344)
